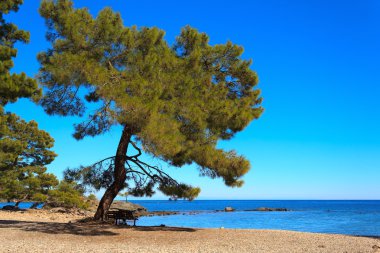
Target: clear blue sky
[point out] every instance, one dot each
(318, 64)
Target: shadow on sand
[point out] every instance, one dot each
(82, 228)
(160, 228)
(369, 236)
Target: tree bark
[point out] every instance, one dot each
(119, 175)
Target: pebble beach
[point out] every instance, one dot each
(43, 231)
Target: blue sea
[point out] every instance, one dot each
(338, 217)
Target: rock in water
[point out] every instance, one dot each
(229, 209)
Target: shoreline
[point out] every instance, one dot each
(34, 231)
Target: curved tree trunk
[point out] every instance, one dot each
(119, 175)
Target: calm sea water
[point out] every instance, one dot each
(341, 217)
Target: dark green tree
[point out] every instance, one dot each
(24, 149)
(24, 153)
(12, 86)
(174, 102)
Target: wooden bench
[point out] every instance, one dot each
(123, 215)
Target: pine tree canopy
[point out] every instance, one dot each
(12, 86)
(24, 149)
(176, 100)
(24, 153)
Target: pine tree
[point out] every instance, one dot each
(174, 102)
(24, 153)
(24, 149)
(12, 86)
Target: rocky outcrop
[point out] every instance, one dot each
(269, 209)
(122, 205)
(159, 213)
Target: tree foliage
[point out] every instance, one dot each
(67, 194)
(25, 150)
(24, 154)
(12, 86)
(174, 101)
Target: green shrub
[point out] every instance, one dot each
(66, 195)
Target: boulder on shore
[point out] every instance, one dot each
(122, 205)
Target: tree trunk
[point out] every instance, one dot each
(119, 175)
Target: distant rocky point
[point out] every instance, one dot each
(269, 209)
(260, 209)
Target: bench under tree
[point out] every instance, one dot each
(122, 215)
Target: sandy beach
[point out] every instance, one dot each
(42, 231)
